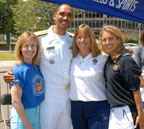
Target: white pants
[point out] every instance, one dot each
(55, 110)
(121, 118)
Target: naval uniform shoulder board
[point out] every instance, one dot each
(40, 33)
(71, 34)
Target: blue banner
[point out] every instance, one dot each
(127, 9)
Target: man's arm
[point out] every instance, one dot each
(8, 76)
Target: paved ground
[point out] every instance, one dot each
(4, 66)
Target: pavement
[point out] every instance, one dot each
(5, 64)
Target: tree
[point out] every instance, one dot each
(6, 16)
(33, 15)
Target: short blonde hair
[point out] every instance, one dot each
(88, 32)
(21, 40)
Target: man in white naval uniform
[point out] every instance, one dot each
(54, 65)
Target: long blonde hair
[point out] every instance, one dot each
(88, 32)
(21, 40)
(117, 33)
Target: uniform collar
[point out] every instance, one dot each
(51, 32)
(87, 57)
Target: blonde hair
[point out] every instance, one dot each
(21, 40)
(88, 32)
(142, 37)
(117, 33)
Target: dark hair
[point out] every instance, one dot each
(63, 5)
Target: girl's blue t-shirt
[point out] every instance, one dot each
(31, 81)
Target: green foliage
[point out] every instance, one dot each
(128, 39)
(7, 56)
(131, 41)
(6, 16)
(33, 15)
(17, 16)
(0, 37)
(7, 47)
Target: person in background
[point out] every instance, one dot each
(54, 64)
(89, 106)
(27, 90)
(139, 57)
(122, 82)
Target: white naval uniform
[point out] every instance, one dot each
(87, 81)
(54, 65)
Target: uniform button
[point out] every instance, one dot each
(52, 61)
(81, 62)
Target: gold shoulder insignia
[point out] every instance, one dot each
(40, 33)
(71, 34)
